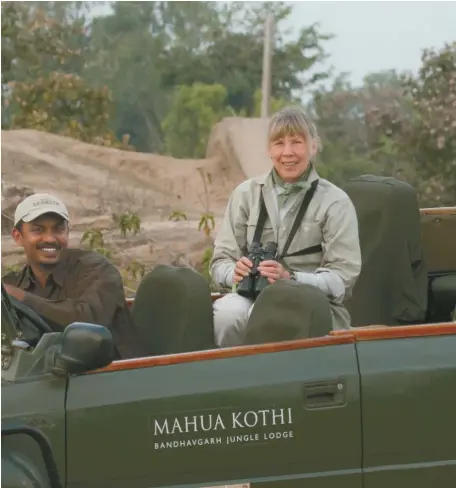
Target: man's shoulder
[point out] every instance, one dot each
(13, 277)
(87, 258)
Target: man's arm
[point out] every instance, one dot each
(341, 262)
(97, 293)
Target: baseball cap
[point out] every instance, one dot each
(39, 204)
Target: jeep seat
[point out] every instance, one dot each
(392, 287)
(172, 311)
(439, 231)
(287, 311)
(442, 298)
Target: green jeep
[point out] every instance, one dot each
(369, 407)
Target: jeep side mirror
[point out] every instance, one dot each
(84, 347)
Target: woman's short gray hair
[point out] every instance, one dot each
(293, 120)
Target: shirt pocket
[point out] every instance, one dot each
(309, 234)
(266, 236)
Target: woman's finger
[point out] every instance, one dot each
(270, 264)
(270, 273)
(246, 261)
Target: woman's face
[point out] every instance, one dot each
(290, 156)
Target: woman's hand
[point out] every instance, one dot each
(242, 269)
(273, 271)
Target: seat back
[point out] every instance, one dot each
(172, 311)
(287, 311)
(392, 286)
(438, 229)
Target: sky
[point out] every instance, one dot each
(373, 35)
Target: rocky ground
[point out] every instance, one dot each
(99, 184)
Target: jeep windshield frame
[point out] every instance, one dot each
(10, 321)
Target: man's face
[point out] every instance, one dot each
(43, 239)
(290, 156)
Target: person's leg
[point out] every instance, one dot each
(230, 318)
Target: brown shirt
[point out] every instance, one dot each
(83, 287)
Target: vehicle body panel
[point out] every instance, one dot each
(38, 402)
(409, 411)
(325, 449)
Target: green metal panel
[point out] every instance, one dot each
(409, 411)
(245, 419)
(38, 402)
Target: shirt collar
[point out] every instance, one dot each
(57, 274)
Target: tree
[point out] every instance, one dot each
(144, 50)
(233, 56)
(41, 56)
(425, 135)
(351, 146)
(124, 54)
(431, 141)
(63, 104)
(194, 111)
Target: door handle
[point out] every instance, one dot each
(324, 394)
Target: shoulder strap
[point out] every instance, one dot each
(302, 210)
(261, 220)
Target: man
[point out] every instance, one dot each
(65, 285)
(324, 253)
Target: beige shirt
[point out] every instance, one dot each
(330, 221)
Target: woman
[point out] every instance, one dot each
(324, 251)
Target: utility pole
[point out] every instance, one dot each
(267, 62)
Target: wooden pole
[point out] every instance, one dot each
(267, 65)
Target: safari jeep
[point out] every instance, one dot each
(369, 407)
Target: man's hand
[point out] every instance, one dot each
(242, 269)
(15, 292)
(273, 271)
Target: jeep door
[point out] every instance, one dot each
(285, 418)
(409, 407)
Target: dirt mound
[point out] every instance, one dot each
(98, 183)
(241, 147)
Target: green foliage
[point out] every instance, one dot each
(205, 263)
(275, 104)
(93, 238)
(206, 223)
(350, 146)
(135, 270)
(424, 134)
(432, 137)
(157, 47)
(35, 41)
(129, 222)
(177, 215)
(194, 111)
(63, 104)
(42, 53)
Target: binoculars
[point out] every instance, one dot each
(253, 284)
